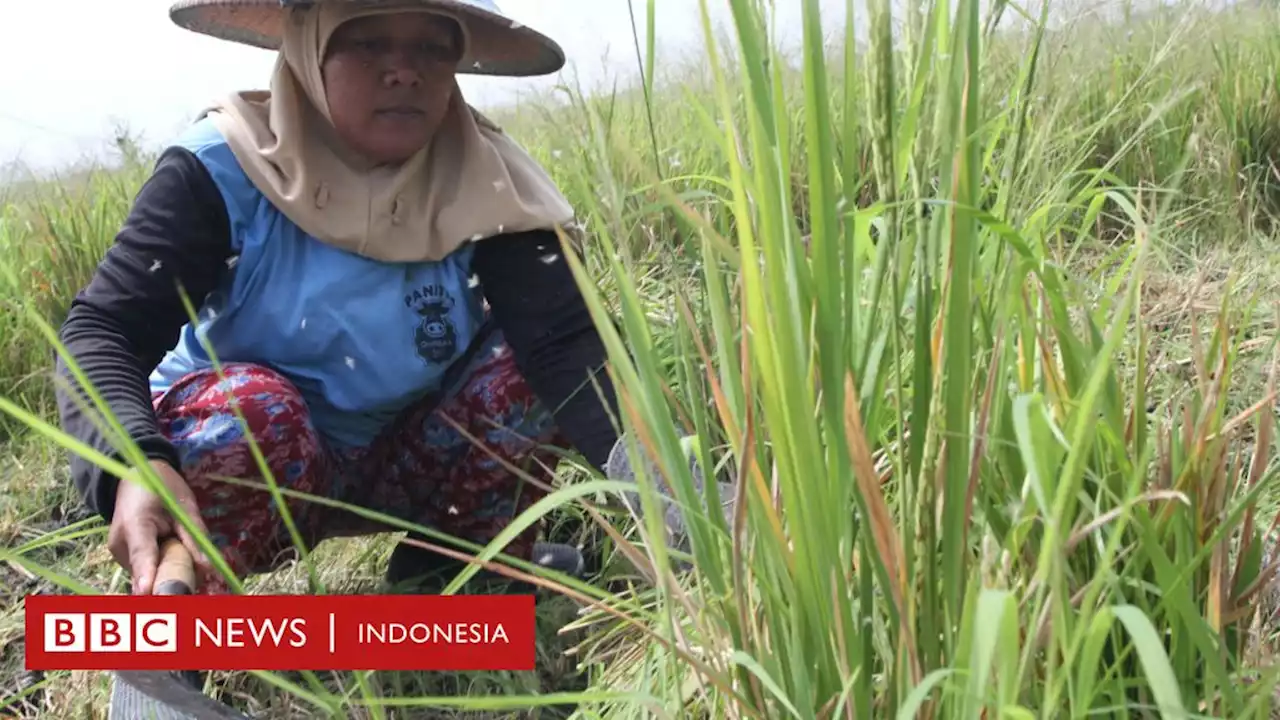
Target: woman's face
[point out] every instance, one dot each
(389, 80)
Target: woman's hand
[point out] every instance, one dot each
(141, 521)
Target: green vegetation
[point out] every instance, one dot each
(980, 320)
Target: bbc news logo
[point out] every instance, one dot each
(281, 632)
(110, 632)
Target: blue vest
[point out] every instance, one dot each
(361, 339)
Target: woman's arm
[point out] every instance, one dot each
(545, 320)
(120, 326)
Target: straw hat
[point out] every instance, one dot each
(497, 44)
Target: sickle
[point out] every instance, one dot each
(164, 694)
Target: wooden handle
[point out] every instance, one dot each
(177, 572)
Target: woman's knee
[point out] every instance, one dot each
(210, 420)
(206, 416)
(504, 408)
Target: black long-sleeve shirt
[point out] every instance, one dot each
(121, 325)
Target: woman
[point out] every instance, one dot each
(375, 266)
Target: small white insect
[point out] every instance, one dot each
(351, 362)
(233, 261)
(453, 509)
(156, 265)
(556, 153)
(546, 559)
(304, 323)
(500, 227)
(550, 259)
(476, 65)
(477, 237)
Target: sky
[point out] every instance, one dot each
(76, 69)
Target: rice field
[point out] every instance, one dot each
(974, 306)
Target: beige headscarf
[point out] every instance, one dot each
(470, 182)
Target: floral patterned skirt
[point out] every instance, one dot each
(420, 469)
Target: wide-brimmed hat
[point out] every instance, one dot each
(497, 45)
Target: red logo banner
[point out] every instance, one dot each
(280, 632)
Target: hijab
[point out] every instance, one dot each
(470, 182)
